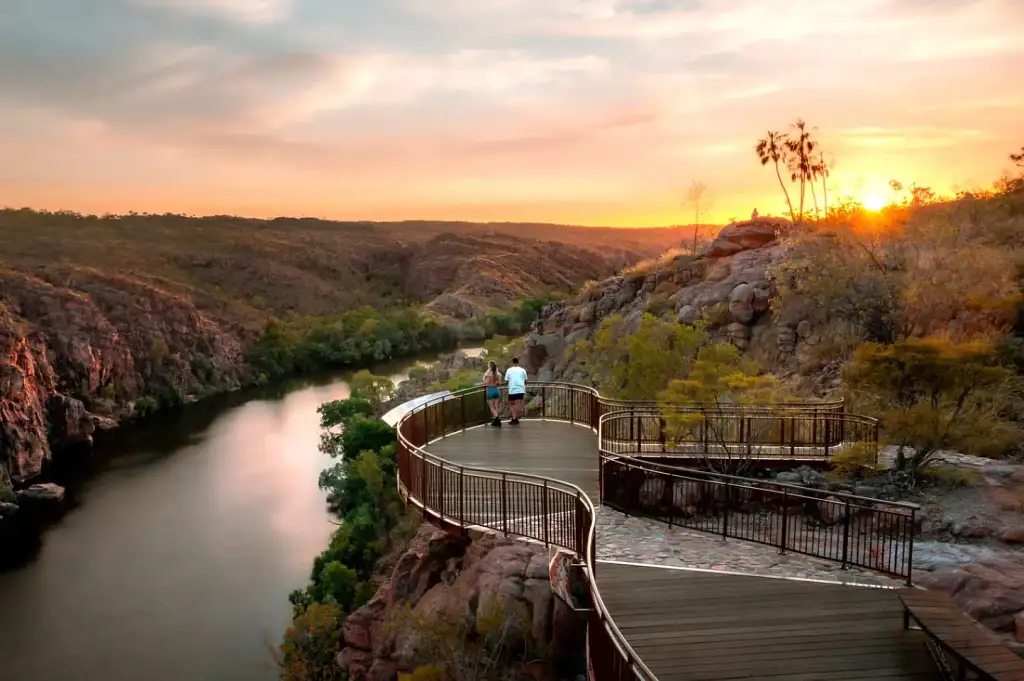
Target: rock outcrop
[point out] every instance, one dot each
(443, 579)
(729, 287)
(987, 583)
(75, 358)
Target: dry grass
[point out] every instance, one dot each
(245, 269)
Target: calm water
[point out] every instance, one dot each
(188, 533)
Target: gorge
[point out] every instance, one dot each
(182, 541)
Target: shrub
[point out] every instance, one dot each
(856, 460)
(311, 644)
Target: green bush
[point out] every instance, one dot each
(355, 337)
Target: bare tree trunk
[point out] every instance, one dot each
(786, 192)
(824, 190)
(696, 226)
(814, 195)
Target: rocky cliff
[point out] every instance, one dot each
(729, 287)
(105, 317)
(77, 348)
(444, 586)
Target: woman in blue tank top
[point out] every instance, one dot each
(492, 379)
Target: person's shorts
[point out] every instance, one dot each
(515, 397)
(493, 392)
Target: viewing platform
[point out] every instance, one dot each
(541, 479)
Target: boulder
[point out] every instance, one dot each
(741, 303)
(747, 235)
(444, 580)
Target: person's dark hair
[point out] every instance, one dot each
(492, 368)
(515, 360)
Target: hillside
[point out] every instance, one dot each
(105, 317)
(799, 300)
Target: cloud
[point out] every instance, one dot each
(249, 11)
(628, 96)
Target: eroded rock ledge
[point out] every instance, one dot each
(443, 578)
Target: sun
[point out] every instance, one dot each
(874, 202)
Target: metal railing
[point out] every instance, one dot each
(540, 509)
(779, 432)
(851, 530)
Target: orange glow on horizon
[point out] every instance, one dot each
(874, 202)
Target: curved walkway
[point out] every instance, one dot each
(702, 620)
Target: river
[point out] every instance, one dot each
(187, 532)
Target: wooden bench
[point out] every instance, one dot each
(959, 637)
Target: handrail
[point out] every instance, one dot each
(817, 434)
(574, 530)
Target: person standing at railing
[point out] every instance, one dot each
(515, 376)
(492, 379)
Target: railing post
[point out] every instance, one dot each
(785, 520)
(462, 497)
(440, 505)
(639, 435)
(846, 533)
(543, 401)
(462, 411)
(792, 437)
(828, 433)
(572, 406)
(504, 503)
(725, 516)
(444, 432)
(661, 433)
(544, 511)
(910, 547)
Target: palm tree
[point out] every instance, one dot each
(773, 148)
(1018, 159)
(801, 163)
(824, 169)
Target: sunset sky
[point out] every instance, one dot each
(582, 111)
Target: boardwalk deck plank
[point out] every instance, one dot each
(702, 626)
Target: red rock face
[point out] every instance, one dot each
(26, 382)
(990, 590)
(440, 577)
(80, 351)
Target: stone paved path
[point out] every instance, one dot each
(640, 540)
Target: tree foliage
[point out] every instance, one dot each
(366, 386)
(910, 271)
(362, 491)
(311, 644)
(638, 364)
(720, 377)
(355, 337)
(933, 395)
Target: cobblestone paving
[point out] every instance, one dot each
(640, 540)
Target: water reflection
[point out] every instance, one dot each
(190, 531)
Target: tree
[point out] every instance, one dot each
(774, 148)
(802, 166)
(637, 365)
(1018, 158)
(933, 395)
(721, 377)
(824, 171)
(374, 389)
(696, 198)
(311, 644)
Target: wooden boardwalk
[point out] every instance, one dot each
(688, 625)
(702, 626)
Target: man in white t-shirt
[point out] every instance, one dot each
(515, 376)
